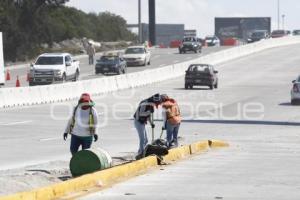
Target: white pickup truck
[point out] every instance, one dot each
(53, 67)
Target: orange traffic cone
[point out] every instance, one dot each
(18, 82)
(7, 75)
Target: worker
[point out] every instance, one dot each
(172, 120)
(141, 117)
(83, 124)
(91, 52)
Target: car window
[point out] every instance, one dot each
(200, 68)
(135, 51)
(108, 58)
(68, 59)
(51, 60)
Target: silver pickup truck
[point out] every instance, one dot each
(53, 67)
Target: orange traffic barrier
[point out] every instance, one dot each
(18, 84)
(7, 75)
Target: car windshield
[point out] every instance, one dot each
(50, 60)
(108, 58)
(199, 68)
(189, 39)
(134, 51)
(210, 38)
(258, 34)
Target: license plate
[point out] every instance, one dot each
(198, 81)
(105, 69)
(44, 80)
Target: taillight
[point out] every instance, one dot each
(296, 88)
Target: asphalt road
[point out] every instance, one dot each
(250, 110)
(159, 58)
(263, 159)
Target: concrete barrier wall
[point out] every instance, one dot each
(25, 96)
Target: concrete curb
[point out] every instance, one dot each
(112, 175)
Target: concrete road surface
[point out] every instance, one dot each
(250, 110)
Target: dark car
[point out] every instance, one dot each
(201, 75)
(279, 33)
(296, 32)
(111, 64)
(190, 44)
(258, 35)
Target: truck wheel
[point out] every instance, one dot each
(216, 85)
(145, 63)
(149, 62)
(211, 87)
(186, 86)
(293, 102)
(64, 78)
(76, 78)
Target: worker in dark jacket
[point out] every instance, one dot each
(141, 117)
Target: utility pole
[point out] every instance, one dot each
(139, 21)
(152, 23)
(283, 22)
(278, 14)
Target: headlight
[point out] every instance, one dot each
(57, 72)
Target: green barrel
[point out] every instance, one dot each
(89, 160)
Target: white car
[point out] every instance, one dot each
(52, 67)
(212, 40)
(137, 55)
(295, 91)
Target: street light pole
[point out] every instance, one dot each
(283, 22)
(278, 14)
(139, 21)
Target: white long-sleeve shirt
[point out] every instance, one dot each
(81, 127)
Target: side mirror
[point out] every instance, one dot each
(294, 81)
(68, 64)
(215, 71)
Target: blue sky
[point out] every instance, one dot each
(197, 14)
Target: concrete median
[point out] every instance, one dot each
(12, 97)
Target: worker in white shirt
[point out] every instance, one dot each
(83, 124)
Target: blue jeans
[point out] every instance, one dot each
(76, 141)
(172, 133)
(141, 129)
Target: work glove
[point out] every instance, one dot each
(152, 125)
(65, 136)
(95, 137)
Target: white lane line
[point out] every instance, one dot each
(15, 123)
(162, 65)
(155, 57)
(50, 139)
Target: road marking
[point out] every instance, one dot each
(162, 65)
(49, 139)
(15, 123)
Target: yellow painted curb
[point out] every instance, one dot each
(177, 153)
(199, 147)
(217, 143)
(109, 176)
(97, 179)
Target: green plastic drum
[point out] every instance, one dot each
(89, 160)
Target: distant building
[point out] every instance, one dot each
(190, 33)
(165, 33)
(240, 27)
